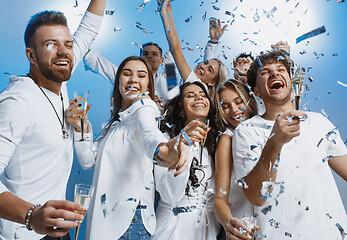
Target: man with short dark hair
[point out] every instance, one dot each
(36, 141)
(283, 159)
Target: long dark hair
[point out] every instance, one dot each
(116, 98)
(175, 118)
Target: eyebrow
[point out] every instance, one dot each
(139, 70)
(55, 40)
(194, 92)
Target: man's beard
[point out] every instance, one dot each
(54, 74)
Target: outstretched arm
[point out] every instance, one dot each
(97, 7)
(172, 38)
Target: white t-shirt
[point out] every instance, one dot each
(305, 202)
(239, 204)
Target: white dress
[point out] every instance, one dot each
(186, 210)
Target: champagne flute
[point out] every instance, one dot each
(83, 196)
(205, 128)
(297, 78)
(84, 102)
(250, 222)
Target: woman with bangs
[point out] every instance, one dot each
(185, 210)
(122, 207)
(235, 104)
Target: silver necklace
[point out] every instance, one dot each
(65, 134)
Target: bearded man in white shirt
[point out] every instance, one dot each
(36, 141)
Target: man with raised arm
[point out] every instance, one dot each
(283, 159)
(36, 141)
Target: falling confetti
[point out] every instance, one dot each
(50, 46)
(223, 192)
(221, 102)
(117, 29)
(259, 63)
(188, 19)
(136, 44)
(76, 4)
(109, 12)
(342, 84)
(216, 8)
(310, 34)
(204, 17)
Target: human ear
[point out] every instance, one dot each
(30, 55)
(256, 91)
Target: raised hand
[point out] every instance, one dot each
(241, 67)
(281, 46)
(74, 114)
(216, 29)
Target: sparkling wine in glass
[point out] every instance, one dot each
(205, 128)
(250, 222)
(84, 102)
(83, 195)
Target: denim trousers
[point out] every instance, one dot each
(136, 229)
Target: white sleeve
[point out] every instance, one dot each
(13, 127)
(336, 146)
(96, 63)
(245, 159)
(148, 126)
(86, 151)
(171, 189)
(210, 51)
(85, 35)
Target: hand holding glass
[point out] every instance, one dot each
(83, 196)
(84, 102)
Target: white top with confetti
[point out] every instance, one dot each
(305, 190)
(123, 173)
(186, 207)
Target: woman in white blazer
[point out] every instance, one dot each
(122, 207)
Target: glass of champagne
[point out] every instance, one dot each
(250, 222)
(83, 196)
(84, 102)
(206, 123)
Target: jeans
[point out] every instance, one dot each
(66, 237)
(136, 229)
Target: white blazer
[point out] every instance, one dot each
(123, 175)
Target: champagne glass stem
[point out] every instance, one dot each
(82, 129)
(297, 102)
(77, 230)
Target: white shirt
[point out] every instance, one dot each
(305, 202)
(35, 160)
(123, 175)
(239, 205)
(199, 220)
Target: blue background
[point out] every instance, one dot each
(246, 34)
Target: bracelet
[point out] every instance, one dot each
(213, 42)
(28, 216)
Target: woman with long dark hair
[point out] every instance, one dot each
(186, 207)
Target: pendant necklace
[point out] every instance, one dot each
(65, 134)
